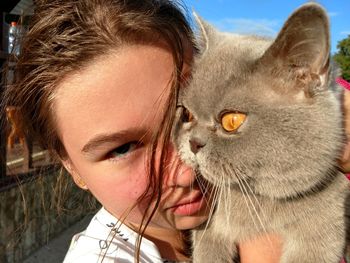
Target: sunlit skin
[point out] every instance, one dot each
(102, 112)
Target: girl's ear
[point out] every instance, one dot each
(75, 175)
(303, 44)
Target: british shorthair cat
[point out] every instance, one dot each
(261, 123)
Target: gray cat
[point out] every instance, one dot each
(261, 122)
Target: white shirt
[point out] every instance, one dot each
(106, 240)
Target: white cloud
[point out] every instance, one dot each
(263, 27)
(332, 14)
(345, 33)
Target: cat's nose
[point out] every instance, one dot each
(196, 145)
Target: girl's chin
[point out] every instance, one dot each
(189, 222)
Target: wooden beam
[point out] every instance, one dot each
(7, 5)
(3, 58)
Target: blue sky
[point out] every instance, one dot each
(266, 17)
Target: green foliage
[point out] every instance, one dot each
(342, 57)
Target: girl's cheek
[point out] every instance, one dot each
(172, 167)
(138, 181)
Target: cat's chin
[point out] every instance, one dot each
(271, 192)
(277, 188)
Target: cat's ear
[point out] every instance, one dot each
(205, 33)
(302, 47)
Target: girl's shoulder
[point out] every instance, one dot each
(107, 240)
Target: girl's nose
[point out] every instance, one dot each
(183, 176)
(178, 173)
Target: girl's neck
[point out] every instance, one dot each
(169, 242)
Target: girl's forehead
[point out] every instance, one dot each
(123, 89)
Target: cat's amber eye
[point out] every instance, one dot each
(186, 115)
(231, 121)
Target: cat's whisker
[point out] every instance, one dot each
(264, 217)
(222, 191)
(230, 200)
(246, 201)
(249, 202)
(211, 199)
(244, 184)
(253, 206)
(215, 197)
(201, 186)
(255, 198)
(207, 188)
(225, 197)
(213, 202)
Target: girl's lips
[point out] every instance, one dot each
(190, 207)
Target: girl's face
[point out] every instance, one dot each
(102, 112)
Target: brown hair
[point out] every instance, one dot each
(65, 36)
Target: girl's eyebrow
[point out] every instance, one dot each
(107, 138)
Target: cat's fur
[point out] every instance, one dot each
(278, 173)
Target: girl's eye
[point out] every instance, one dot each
(231, 121)
(123, 150)
(186, 115)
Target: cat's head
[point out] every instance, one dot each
(263, 111)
